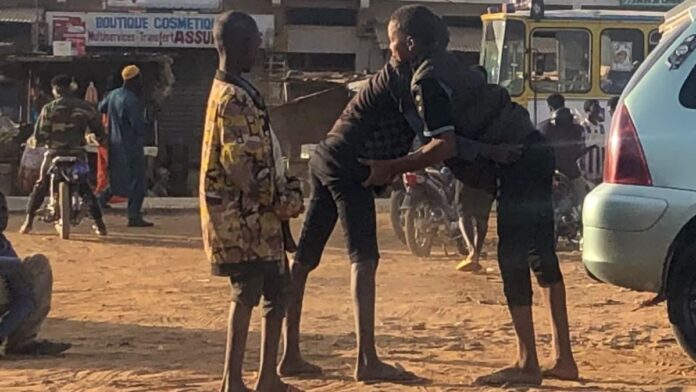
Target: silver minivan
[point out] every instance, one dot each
(640, 225)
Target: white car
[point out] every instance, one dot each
(640, 226)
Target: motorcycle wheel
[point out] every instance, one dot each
(419, 241)
(65, 210)
(397, 215)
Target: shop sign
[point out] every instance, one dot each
(153, 30)
(166, 4)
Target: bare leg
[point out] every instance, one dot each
(238, 329)
(564, 366)
(369, 367)
(292, 362)
(471, 237)
(526, 369)
(481, 232)
(270, 338)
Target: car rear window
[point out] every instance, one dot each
(687, 95)
(665, 42)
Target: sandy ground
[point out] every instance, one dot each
(144, 314)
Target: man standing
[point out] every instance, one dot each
(555, 102)
(467, 121)
(25, 298)
(244, 199)
(566, 139)
(127, 145)
(370, 127)
(61, 128)
(593, 163)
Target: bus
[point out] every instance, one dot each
(581, 54)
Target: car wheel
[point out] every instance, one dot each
(681, 301)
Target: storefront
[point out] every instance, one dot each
(185, 38)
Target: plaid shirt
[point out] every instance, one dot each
(380, 121)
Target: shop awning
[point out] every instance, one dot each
(20, 15)
(462, 39)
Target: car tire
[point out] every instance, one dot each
(681, 300)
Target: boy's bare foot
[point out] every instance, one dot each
(382, 372)
(561, 371)
(235, 387)
(276, 385)
(510, 376)
(297, 367)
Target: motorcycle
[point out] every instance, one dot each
(65, 207)
(396, 213)
(567, 209)
(429, 214)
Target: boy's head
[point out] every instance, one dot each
(4, 213)
(555, 102)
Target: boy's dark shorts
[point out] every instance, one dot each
(269, 280)
(338, 198)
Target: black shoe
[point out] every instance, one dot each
(139, 223)
(40, 348)
(100, 227)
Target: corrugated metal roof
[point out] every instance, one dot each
(462, 39)
(20, 15)
(465, 39)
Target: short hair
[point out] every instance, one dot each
(563, 117)
(61, 81)
(591, 104)
(556, 101)
(232, 27)
(613, 103)
(482, 70)
(422, 25)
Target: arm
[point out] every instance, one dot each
(21, 304)
(239, 143)
(42, 130)
(134, 115)
(443, 143)
(103, 106)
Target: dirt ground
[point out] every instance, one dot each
(145, 314)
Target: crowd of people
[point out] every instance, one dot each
(246, 197)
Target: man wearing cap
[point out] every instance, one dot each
(126, 145)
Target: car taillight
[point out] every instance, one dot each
(625, 162)
(412, 179)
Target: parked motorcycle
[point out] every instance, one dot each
(396, 213)
(567, 209)
(429, 213)
(65, 207)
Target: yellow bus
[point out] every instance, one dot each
(581, 54)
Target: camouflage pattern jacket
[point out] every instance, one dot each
(240, 192)
(64, 122)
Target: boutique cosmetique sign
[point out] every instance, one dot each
(142, 30)
(169, 4)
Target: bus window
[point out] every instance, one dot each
(561, 61)
(621, 48)
(503, 54)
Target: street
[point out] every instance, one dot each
(145, 314)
